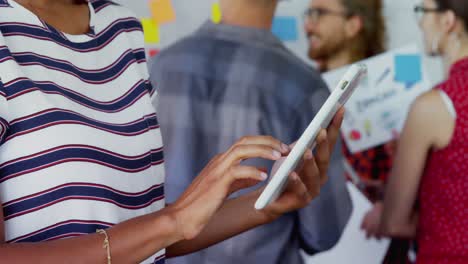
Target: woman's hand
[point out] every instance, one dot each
(203, 206)
(305, 183)
(391, 147)
(371, 222)
(220, 178)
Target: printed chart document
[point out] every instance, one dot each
(377, 111)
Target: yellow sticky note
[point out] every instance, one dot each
(216, 13)
(162, 11)
(151, 31)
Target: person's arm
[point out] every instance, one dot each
(236, 216)
(429, 125)
(187, 219)
(201, 204)
(239, 215)
(137, 239)
(141, 236)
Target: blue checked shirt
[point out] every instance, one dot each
(225, 82)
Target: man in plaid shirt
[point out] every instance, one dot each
(342, 32)
(234, 79)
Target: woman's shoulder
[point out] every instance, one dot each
(432, 99)
(429, 111)
(431, 118)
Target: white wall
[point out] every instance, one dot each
(191, 14)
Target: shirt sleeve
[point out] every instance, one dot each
(322, 223)
(138, 46)
(4, 124)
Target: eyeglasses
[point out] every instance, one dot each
(313, 15)
(420, 11)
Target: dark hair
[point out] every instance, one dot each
(372, 38)
(459, 7)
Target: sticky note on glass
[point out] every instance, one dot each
(408, 69)
(151, 31)
(285, 28)
(153, 52)
(216, 13)
(162, 11)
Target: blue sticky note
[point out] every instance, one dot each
(408, 69)
(285, 28)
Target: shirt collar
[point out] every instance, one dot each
(241, 34)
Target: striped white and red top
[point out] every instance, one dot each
(80, 147)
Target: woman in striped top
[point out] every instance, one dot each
(80, 147)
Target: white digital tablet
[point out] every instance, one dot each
(322, 120)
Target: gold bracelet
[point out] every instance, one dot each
(106, 244)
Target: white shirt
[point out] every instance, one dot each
(80, 144)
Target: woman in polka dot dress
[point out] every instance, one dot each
(427, 193)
